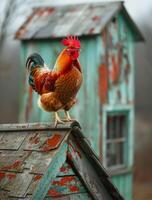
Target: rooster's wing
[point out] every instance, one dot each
(43, 80)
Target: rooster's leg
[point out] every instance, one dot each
(68, 118)
(57, 119)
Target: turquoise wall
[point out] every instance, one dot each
(119, 41)
(124, 184)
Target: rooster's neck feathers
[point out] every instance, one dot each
(63, 62)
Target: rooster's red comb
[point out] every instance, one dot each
(71, 41)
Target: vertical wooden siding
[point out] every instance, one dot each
(124, 184)
(117, 39)
(120, 45)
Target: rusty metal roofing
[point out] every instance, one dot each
(28, 164)
(80, 19)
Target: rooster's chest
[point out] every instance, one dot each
(68, 85)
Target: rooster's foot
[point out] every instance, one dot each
(68, 118)
(57, 119)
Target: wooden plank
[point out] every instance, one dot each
(19, 186)
(37, 126)
(12, 140)
(43, 141)
(4, 195)
(65, 185)
(5, 178)
(52, 171)
(35, 181)
(81, 196)
(124, 184)
(1, 135)
(39, 162)
(66, 169)
(34, 141)
(13, 161)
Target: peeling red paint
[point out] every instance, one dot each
(15, 165)
(11, 176)
(73, 188)
(53, 193)
(37, 177)
(115, 72)
(69, 156)
(52, 142)
(96, 18)
(37, 13)
(34, 139)
(103, 83)
(79, 154)
(91, 30)
(40, 12)
(64, 181)
(2, 175)
(23, 28)
(65, 169)
(75, 150)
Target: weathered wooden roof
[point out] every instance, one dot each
(80, 19)
(38, 161)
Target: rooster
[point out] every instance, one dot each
(57, 89)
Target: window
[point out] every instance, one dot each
(116, 139)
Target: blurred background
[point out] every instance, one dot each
(12, 15)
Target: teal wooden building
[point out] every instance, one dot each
(105, 106)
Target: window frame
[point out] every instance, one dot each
(128, 152)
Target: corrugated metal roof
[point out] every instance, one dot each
(80, 19)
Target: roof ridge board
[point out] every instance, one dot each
(37, 126)
(79, 4)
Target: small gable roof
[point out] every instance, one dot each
(39, 161)
(79, 19)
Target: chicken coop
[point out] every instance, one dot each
(105, 107)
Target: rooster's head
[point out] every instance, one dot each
(73, 46)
